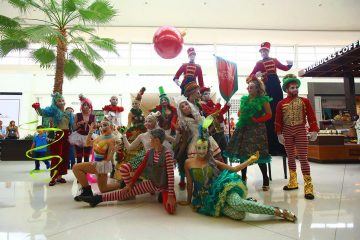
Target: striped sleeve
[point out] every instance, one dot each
(170, 172)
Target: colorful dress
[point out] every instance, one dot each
(224, 195)
(249, 136)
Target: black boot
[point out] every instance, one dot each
(92, 200)
(86, 191)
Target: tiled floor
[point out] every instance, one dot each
(29, 209)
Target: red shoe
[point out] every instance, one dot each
(182, 186)
(61, 180)
(52, 183)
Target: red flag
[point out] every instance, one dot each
(227, 75)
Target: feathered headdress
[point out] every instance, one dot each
(56, 96)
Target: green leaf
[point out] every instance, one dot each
(69, 6)
(88, 64)
(82, 29)
(8, 45)
(95, 70)
(92, 53)
(39, 33)
(22, 5)
(51, 40)
(107, 44)
(44, 56)
(6, 22)
(71, 69)
(81, 56)
(101, 11)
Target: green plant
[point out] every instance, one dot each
(67, 24)
(29, 137)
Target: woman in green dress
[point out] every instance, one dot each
(215, 189)
(250, 133)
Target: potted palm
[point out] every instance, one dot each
(66, 35)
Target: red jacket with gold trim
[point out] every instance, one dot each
(193, 70)
(267, 66)
(295, 111)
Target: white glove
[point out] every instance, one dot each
(289, 62)
(258, 74)
(229, 104)
(218, 100)
(281, 139)
(177, 81)
(313, 136)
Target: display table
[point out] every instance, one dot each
(14, 150)
(331, 149)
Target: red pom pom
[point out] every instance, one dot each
(36, 105)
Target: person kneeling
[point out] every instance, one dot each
(157, 167)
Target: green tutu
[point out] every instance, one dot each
(211, 200)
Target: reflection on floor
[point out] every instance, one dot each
(29, 209)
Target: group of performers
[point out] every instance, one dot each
(191, 135)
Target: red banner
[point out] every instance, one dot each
(227, 75)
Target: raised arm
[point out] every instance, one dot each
(134, 144)
(88, 141)
(252, 159)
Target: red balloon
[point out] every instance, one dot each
(168, 42)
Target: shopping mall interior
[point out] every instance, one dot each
(111, 49)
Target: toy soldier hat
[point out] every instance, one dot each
(203, 89)
(265, 45)
(288, 79)
(191, 51)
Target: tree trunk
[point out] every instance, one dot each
(61, 49)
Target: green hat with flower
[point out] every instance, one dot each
(288, 79)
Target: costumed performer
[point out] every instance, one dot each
(214, 188)
(191, 72)
(63, 120)
(250, 132)
(266, 69)
(291, 115)
(158, 166)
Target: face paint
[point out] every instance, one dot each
(264, 53)
(60, 103)
(192, 57)
(205, 96)
(149, 123)
(135, 105)
(252, 89)
(201, 148)
(164, 101)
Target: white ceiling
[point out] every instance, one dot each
(317, 15)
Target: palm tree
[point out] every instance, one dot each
(66, 35)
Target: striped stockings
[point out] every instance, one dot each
(295, 138)
(125, 170)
